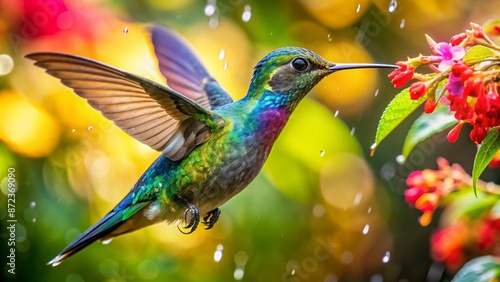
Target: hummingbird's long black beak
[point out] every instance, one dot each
(337, 67)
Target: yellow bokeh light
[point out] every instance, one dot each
(336, 14)
(25, 128)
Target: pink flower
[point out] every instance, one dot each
(448, 54)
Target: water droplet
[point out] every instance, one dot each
(225, 65)
(6, 64)
(218, 252)
(73, 130)
(125, 30)
(222, 54)
(239, 273)
(32, 205)
(346, 257)
(213, 23)
(318, 210)
(210, 8)
(329, 37)
(402, 24)
(358, 8)
(376, 93)
(353, 130)
(336, 113)
(373, 146)
(366, 229)
(377, 278)
(247, 13)
(90, 127)
(387, 257)
(241, 258)
(357, 198)
(321, 153)
(293, 272)
(400, 159)
(107, 241)
(34, 220)
(393, 5)
(369, 211)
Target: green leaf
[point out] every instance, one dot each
(488, 149)
(398, 109)
(427, 125)
(478, 54)
(481, 269)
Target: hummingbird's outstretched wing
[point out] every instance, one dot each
(184, 71)
(156, 115)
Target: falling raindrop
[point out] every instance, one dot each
(73, 130)
(213, 23)
(387, 257)
(402, 24)
(366, 229)
(125, 30)
(238, 273)
(393, 5)
(34, 220)
(6, 64)
(336, 113)
(210, 8)
(358, 8)
(32, 205)
(222, 54)
(400, 159)
(240, 259)
(376, 93)
(247, 13)
(388, 171)
(225, 65)
(377, 278)
(373, 146)
(346, 257)
(107, 241)
(369, 211)
(353, 129)
(318, 210)
(321, 153)
(90, 128)
(218, 252)
(329, 37)
(357, 198)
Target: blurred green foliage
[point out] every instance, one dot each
(321, 211)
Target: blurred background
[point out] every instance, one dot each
(321, 210)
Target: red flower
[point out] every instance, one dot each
(454, 132)
(457, 39)
(429, 106)
(417, 90)
(447, 245)
(402, 74)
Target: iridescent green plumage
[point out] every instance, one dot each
(212, 147)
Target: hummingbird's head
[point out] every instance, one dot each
(294, 71)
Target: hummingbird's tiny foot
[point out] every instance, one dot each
(211, 218)
(194, 218)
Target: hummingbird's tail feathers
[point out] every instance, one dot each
(103, 230)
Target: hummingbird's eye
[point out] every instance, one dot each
(299, 64)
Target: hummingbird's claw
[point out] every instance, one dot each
(211, 218)
(194, 218)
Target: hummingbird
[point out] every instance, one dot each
(211, 146)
